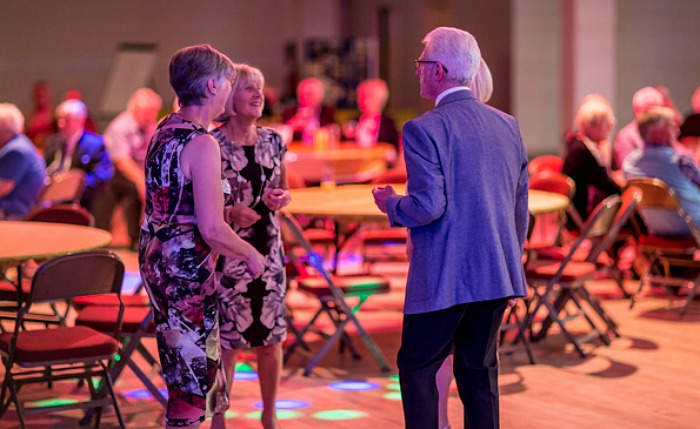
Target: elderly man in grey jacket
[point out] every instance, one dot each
(466, 210)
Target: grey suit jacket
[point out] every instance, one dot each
(466, 205)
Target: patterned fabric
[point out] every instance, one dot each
(252, 311)
(689, 170)
(177, 267)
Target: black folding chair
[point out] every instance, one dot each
(51, 354)
(331, 292)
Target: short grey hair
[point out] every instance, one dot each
(73, 108)
(11, 118)
(457, 50)
(190, 69)
(375, 84)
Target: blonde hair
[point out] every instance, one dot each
(245, 75)
(593, 109)
(482, 86)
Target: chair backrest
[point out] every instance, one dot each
(64, 213)
(545, 163)
(597, 225)
(552, 181)
(629, 200)
(659, 198)
(79, 274)
(293, 236)
(64, 187)
(294, 179)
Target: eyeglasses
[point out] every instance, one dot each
(419, 62)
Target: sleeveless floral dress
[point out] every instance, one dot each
(252, 311)
(177, 268)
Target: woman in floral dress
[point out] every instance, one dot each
(252, 312)
(182, 234)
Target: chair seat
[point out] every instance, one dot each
(580, 255)
(574, 271)
(350, 285)
(103, 318)
(320, 236)
(385, 236)
(681, 244)
(133, 300)
(8, 291)
(59, 344)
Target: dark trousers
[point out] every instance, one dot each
(471, 330)
(118, 190)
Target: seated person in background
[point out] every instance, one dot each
(127, 138)
(689, 138)
(73, 147)
(659, 160)
(22, 171)
(628, 138)
(41, 123)
(584, 162)
(310, 114)
(372, 125)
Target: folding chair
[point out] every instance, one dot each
(331, 292)
(556, 283)
(66, 187)
(671, 258)
(542, 163)
(51, 354)
(62, 213)
(558, 183)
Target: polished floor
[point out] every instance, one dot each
(647, 378)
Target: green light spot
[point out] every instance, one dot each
(244, 367)
(230, 414)
(339, 415)
(395, 377)
(281, 415)
(52, 402)
(392, 396)
(253, 415)
(393, 386)
(118, 358)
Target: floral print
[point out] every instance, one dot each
(177, 267)
(252, 311)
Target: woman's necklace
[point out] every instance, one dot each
(263, 176)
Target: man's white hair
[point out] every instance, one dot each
(72, 108)
(457, 50)
(11, 118)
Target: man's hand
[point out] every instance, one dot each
(241, 215)
(381, 194)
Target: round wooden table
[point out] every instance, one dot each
(22, 241)
(355, 202)
(348, 163)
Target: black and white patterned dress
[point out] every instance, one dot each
(252, 311)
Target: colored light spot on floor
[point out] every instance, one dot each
(353, 385)
(54, 402)
(393, 386)
(392, 396)
(339, 415)
(245, 376)
(285, 404)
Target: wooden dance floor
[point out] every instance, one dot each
(648, 378)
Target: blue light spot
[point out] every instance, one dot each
(143, 393)
(353, 385)
(285, 404)
(245, 376)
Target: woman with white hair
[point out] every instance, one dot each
(22, 171)
(584, 161)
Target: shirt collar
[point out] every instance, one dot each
(449, 91)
